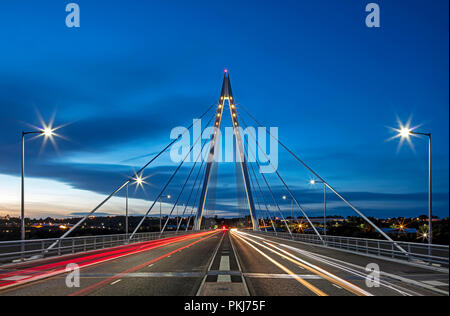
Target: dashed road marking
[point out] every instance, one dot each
(435, 283)
(224, 279)
(115, 282)
(282, 276)
(224, 266)
(16, 278)
(224, 263)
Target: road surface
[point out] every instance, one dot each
(219, 263)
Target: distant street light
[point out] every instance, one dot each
(405, 133)
(47, 132)
(313, 182)
(292, 206)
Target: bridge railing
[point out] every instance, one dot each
(17, 251)
(437, 255)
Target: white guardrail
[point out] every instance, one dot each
(16, 251)
(416, 252)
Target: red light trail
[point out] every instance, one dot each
(38, 272)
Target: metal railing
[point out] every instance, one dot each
(415, 252)
(11, 251)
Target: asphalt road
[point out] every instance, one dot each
(273, 266)
(221, 263)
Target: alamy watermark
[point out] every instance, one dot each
(373, 276)
(373, 18)
(73, 18)
(73, 276)
(235, 145)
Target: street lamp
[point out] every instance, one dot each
(47, 132)
(405, 133)
(139, 181)
(160, 211)
(313, 182)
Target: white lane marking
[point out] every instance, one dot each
(282, 276)
(337, 286)
(224, 266)
(210, 265)
(16, 278)
(348, 269)
(115, 282)
(328, 274)
(319, 258)
(224, 279)
(236, 255)
(435, 283)
(347, 266)
(224, 263)
(436, 265)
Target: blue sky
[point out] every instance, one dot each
(136, 69)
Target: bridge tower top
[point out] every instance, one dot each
(227, 95)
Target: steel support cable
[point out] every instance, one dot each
(170, 180)
(326, 183)
(190, 195)
(262, 196)
(197, 197)
(120, 188)
(284, 183)
(257, 201)
(183, 187)
(273, 199)
(252, 185)
(267, 183)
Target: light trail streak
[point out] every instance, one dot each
(308, 285)
(313, 268)
(45, 271)
(345, 268)
(109, 280)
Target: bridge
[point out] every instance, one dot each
(188, 257)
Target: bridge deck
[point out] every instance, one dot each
(232, 262)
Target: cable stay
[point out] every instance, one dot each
(121, 187)
(190, 194)
(326, 183)
(284, 183)
(197, 195)
(261, 213)
(264, 200)
(183, 187)
(247, 151)
(168, 182)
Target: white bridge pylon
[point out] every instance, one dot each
(226, 95)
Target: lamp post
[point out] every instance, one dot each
(46, 132)
(313, 182)
(126, 213)
(405, 132)
(160, 211)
